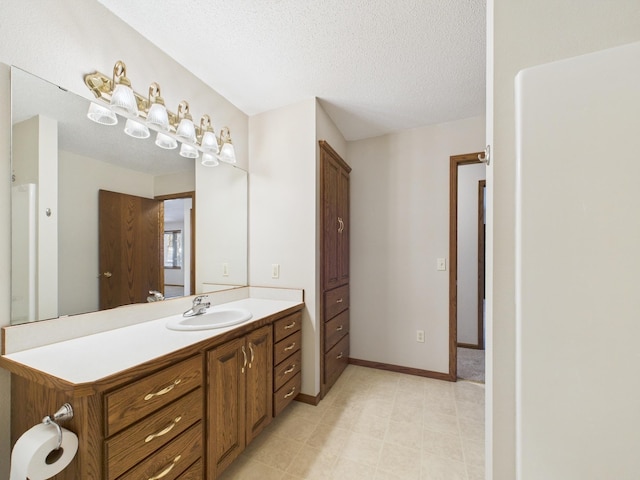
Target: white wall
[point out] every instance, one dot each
(58, 41)
(399, 227)
(467, 297)
(526, 34)
(282, 206)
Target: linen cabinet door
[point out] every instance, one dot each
(259, 377)
(226, 405)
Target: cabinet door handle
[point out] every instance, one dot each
(291, 325)
(339, 356)
(164, 391)
(290, 369)
(164, 431)
(166, 471)
(290, 347)
(293, 390)
(339, 225)
(340, 300)
(244, 353)
(339, 328)
(252, 354)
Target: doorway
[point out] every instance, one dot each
(466, 272)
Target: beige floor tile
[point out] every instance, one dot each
(310, 413)
(382, 475)
(408, 409)
(475, 473)
(312, 464)
(439, 422)
(292, 427)
(370, 425)
(442, 445)
(341, 416)
(407, 434)
(473, 452)
(471, 430)
(251, 470)
(444, 404)
(436, 468)
(278, 452)
(346, 469)
(362, 449)
(469, 392)
(402, 461)
(329, 439)
(470, 410)
(379, 407)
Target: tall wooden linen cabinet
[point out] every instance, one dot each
(334, 266)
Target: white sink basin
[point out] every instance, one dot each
(218, 318)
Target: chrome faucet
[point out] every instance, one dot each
(155, 296)
(198, 308)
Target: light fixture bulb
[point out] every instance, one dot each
(186, 131)
(123, 100)
(188, 151)
(165, 141)
(209, 143)
(101, 115)
(228, 153)
(209, 160)
(136, 129)
(158, 117)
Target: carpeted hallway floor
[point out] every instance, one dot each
(471, 364)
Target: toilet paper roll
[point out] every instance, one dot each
(35, 457)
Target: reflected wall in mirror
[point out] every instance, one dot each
(60, 161)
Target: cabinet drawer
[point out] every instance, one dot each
(171, 460)
(286, 347)
(285, 395)
(128, 447)
(286, 326)
(335, 329)
(137, 400)
(286, 370)
(336, 301)
(193, 473)
(336, 360)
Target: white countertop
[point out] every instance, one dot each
(93, 357)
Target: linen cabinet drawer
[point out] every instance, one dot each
(172, 460)
(286, 370)
(137, 400)
(336, 301)
(285, 395)
(336, 360)
(335, 329)
(286, 347)
(286, 326)
(126, 448)
(194, 472)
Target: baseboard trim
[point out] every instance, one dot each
(398, 369)
(470, 345)
(308, 399)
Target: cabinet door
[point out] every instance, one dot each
(343, 230)
(226, 406)
(331, 225)
(259, 374)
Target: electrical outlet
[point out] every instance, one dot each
(420, 336)
(275, 270)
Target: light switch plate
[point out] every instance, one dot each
(275, 270)
(442, 264)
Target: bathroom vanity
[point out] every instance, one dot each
(151, 403)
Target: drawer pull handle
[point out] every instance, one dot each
(164, 391)
(244, 352)
(290, 369)
(339, 356)
(290, 347)
(252, 354)
(291, 325)
(293, 390)
(164, 431)
(166, 471)
(339, 328)
(339, 300)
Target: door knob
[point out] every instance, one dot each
(107, 274)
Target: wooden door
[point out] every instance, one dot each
(343, 227)
(226, 405)
(130, 245)
(259, 395)
(330, 179)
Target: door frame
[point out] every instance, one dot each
(192, 196)
(482, 184)
(454, 162)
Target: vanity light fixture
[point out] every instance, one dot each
(142, 113)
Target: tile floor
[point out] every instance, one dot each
(374, 425)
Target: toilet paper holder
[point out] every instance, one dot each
(65, 412)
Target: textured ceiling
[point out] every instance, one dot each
(377, 66)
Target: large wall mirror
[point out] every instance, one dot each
(78, 191)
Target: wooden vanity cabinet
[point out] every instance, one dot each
(239, 406)
(287, 359)
(335, 220)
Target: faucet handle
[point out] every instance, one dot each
(198, 300)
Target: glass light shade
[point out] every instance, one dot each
(186, 130)
(209, 160)
(209, 143)
(136, 129)
(101, 115)
(123, 100)
(188, 151)
(166, 142)
(158, 117)
(228, 153)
